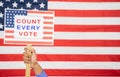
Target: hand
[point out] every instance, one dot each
(29, 57)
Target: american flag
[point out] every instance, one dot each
(86, 40)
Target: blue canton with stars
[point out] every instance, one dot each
(10, 14)
(19, 4)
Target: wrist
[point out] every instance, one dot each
(35, 64)
(37, 68)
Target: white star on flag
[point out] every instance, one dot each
(22, 8)
(21, 0)
(42, 5)
(35, 1)
(7, 8)
(1, 15)
(14, 4)
(1, 4)
(35, 9)
(8, 0)
(28, 5)
(1, 26)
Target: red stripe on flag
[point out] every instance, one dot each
(9, 36)
(46, 37)
(46, 32)
(9, 31)
(47, 17)
(48, 27)
(88, 43)
(87, 28)
(40, 12)
(87, 13)
(63, 72)
(82, 28)
(64, 57)
(82, 72)
(48, 22)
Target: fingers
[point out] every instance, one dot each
(26, 57)
(29, 56)
(27, 50)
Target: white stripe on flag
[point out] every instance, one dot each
(88, 20)
(62, 50)
(88, 35)
(84, 5)
(63, 65)
(1, 34)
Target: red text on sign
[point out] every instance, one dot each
(31, 34)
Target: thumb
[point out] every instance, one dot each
(34, 56)
(33, 51)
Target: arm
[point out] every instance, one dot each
(39, 72)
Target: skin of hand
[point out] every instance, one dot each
(32, 59)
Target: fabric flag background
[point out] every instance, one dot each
(87, 39)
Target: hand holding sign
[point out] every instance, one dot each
(27, 59)
(30, 59)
